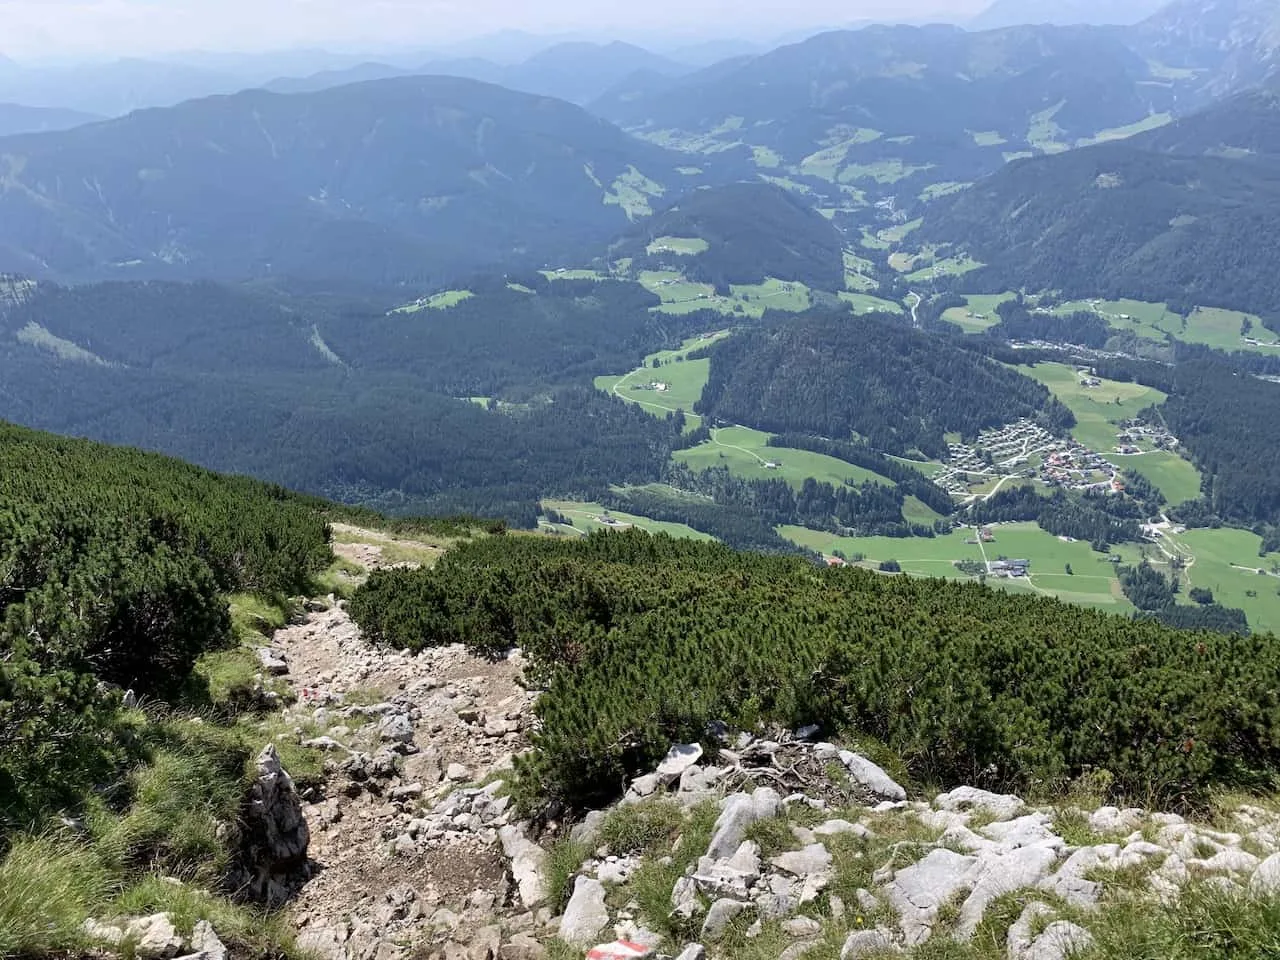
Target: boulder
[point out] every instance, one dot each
(871, 776)
(396, 728)
(586, 916)
(809, 861)
(738, 812)
(154, 937)
(679, 759)
(802, 928)
(964, 799)
(1060, 941)
(919, 891)
(588, 831)
(526, 864)
(721, 914)
(205, 943)
(693, 951)
(272, 860)
(1266, 879)
(273, 661)
(1019, 938)
(867, 943)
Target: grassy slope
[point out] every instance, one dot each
(745, 451)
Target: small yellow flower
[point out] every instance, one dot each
(858, 921)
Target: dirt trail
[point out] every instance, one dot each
(404, 836)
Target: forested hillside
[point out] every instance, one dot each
(934, 103)
(752, 231)
(412, 178)
(1185, 215)
(898, 389)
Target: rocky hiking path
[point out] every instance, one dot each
(404, 835)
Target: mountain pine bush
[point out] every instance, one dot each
(638, 641)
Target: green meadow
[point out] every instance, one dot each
(588, 517)
(746, 453)
(684, 379)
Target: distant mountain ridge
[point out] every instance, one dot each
(407, 178)
(1189, 214)
(1010, 13)
(16, 118)
(578, 72)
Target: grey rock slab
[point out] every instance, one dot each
(833, 828)
(694, 951)
(1228, 861)
(1060, 941)
(738, 812)
(802, 928)
(866, 943)
(964, 799)
(586, 916)
(526, 859)
(810, 861)
(1020, 937)
(154, 937)
(273, 661)
(1112, 821)
(872, 776)
(1266, 879)
(721, 914)
(396, 728)
(205, 942)
(684, 899)
(1007, 873)
(645, 786)
(679, 759)
(918, 892)
(588, 831)
(1030, 830)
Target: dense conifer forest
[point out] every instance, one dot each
(898, 389)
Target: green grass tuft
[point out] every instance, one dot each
(47, 890)
(642, 827)
(564, 860)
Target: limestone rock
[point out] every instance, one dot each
(1019, 938)
(738, 812)
(273, 661)
(205, 943)
(526, 864)
(679, 759)
(1059, 941)
(918, 892)
(693, 951)
(273, 853)
(1266, 879)
(154, 937)
(586, 916)
(1000, 806)
(721, 914)
(872, 777)
(1001, 874)
(396, 728)
(866, 943)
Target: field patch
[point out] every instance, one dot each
(667, 381)
(1226, 561)
(747, 453)
(885, 171)
(439, 301)
(946, 188)
(1177, 478)
(866, 303)
(1044, 133)
(980, 312)
(987, 138)
(589, 517)
(1152, 122)
(1098, 409)
(632, 191)
(682, 246)
(956, 266)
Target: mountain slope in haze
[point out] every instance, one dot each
(1010, 13)
(113, 89)
(866, 109)
(16, 118)
(581, 72)
(1224, 45)
(576, 72)
(418, 177)
(1189, 214)
(751, 231)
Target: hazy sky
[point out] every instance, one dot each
(42, 28)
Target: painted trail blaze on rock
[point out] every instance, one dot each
(620, 950)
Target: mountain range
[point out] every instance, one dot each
(1189, 213)
(409, 178)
